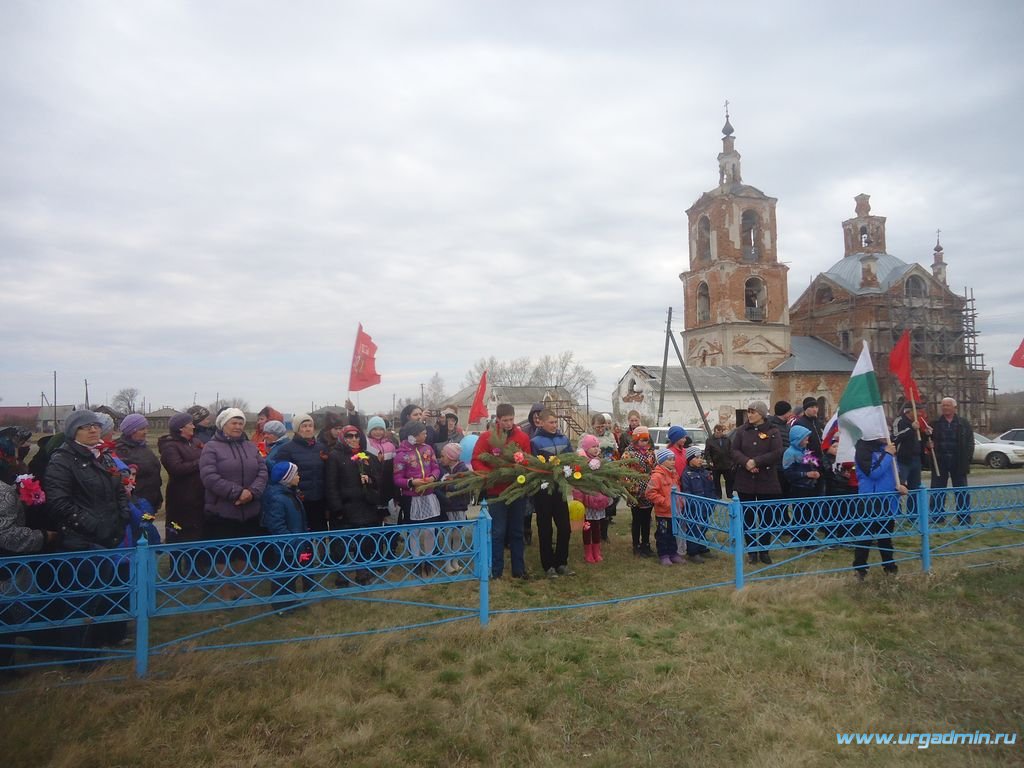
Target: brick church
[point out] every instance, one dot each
(737, 310)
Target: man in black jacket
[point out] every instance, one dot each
(953, 443)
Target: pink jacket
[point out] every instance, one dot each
(591, 500)
(415, 462)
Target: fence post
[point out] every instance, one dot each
(924, 523)
(143, 576)
(483, 560)
(736, 531)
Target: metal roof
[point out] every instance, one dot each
(811, 354)
(847, 272)
(724, 378)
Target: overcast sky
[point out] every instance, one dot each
(208, 197)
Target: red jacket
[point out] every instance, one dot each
(483, 445)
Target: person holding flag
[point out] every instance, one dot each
(906, 434)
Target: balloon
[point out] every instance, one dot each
(576, 510)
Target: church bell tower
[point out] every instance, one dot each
(735, 293)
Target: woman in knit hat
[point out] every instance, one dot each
(274, 431)
(234, 477)
(204, 424)
(132, 448)
(88, 503)
(179, 453)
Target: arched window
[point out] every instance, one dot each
(824, 295)
(864, 239)
(704, 239)
(755, 299)
(750, 231)
(915, 288)
(703, 303)
(844, 341)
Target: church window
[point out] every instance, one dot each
(750, 230)
(915, 288)
(703, 303)
(704, 238)
(844, 341)
(824, 295)
(754, 299)
(864, 239)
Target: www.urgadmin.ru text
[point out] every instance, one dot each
(925, 740)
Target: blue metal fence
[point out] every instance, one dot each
(797, 528)
(72, 604)
(76, 606)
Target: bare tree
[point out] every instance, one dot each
(510, 373)
(126, 400)
(560, 370)
(563, 371)
(229, 402)
(434, 395)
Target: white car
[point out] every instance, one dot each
(1012, 436)
(998, 455)
(659, 436)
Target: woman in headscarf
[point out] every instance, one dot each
(179, 453)
(131, 448)
(266, 414)
(354, 483)
(876, 473)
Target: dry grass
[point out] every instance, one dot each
(765, 676)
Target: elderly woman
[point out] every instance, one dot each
(179, 453)
(234, 476)
(89, 505)
(309, 454)
(131, 448)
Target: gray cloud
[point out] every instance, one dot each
(209, 197)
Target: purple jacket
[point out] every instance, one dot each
(227, 467)
(414, 462)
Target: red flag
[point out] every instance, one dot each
(899, 366)
(478, 411)
(364, 361)
(1018, 357)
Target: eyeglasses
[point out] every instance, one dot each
(351, 437)
(752, 410)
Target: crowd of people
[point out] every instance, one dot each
(84, 490)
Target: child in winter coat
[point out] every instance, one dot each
(697, 480)
(801, 468)
(641, 456)
(659, 492)
(416, 466)
(595, 504)
(453, 505)
(282, 512)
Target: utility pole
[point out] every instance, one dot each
(86, 393)
(55, 402)
(421, 394)
(586, 388)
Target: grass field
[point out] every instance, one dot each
(766, 677)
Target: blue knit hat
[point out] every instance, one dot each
(375, 422)
(675, 434)
(132, 423)
(283, 472)
(663, 455)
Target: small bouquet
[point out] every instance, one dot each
(29, 490)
